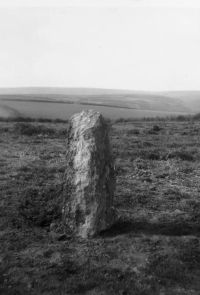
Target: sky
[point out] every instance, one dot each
(130, 44)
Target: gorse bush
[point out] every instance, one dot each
(30, 119)
(133, 132)
(41, 207)
(30, 129)
(4, 129)
(156, 128)
(182, 155)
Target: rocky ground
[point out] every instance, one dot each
(154, 246)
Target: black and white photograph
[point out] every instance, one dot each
(99, 147)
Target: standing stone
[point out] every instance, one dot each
(89, 180)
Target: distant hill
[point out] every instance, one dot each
(191, 99)
(130, 102)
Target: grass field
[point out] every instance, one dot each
(154, 246)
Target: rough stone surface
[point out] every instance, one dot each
(89, 181)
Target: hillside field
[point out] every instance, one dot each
(63, 102)
(153, 247)
(53, 110)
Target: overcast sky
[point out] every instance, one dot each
(139, 45)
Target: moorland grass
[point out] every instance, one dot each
(153, 248)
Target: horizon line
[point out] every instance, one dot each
(98, 88)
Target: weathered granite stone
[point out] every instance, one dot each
(89, 179)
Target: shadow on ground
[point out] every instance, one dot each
(144, 227)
